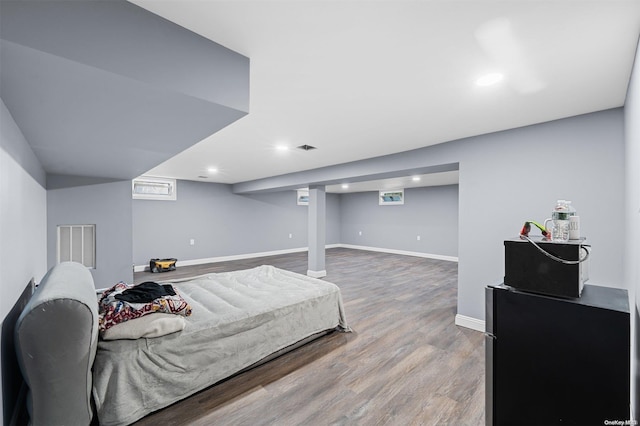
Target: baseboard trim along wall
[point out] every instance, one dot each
(469, 322)
(401, 252)
(316, 274)
(179, 263)
(142, 268)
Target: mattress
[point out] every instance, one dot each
(238, 319)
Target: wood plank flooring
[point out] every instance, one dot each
(405, 363)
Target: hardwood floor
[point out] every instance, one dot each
(405, 363)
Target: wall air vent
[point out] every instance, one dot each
(77, 243)
(306, 147)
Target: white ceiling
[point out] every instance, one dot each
(360, 79)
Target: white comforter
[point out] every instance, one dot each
(238, 319)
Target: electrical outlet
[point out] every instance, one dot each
(418, 237)
(192, 242)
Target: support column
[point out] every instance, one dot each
(316, 228)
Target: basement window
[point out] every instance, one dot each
(391, 198)
(303, 197)
(77, 243)
(153, 188)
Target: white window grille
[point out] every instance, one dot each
(153, 188)
(77, 243)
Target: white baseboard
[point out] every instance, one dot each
(179, 263)
(316, 274)
(401, 252)
(469, 322)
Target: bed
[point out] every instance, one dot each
(238, 319)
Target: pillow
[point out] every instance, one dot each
(153, 325)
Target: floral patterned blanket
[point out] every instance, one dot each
(112, 311)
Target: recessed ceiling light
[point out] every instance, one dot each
(415, 178)
(212, 170)
(489, 79)
(282, 148)
(345, 186)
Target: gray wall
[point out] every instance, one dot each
(430, 212)
(333, 217)
(222, 223)
(511, 176)
(109, 207)
(23, 212)
(632, 223)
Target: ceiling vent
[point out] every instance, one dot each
(306, 147)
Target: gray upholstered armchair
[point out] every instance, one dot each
(56, 337)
